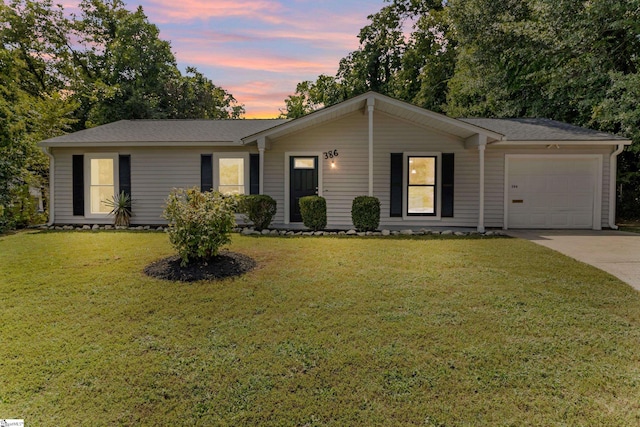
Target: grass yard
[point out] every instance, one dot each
(630, 228)
(325, 332)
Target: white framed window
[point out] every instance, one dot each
(231, 173)
(101, 183)
(421, 185)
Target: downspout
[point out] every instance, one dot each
(52, 176)
(613, 173)
(370, 103)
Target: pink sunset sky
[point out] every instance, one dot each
(258, 50)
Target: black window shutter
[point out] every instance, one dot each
(206, 172)
(77, 172)
(124, 174)
(447, 184)
(396, 185)
(254, 174)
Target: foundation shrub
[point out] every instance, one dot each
(365, 213)
(314, 212)
(258, 209)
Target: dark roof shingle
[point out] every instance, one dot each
(540, 130)
(170, 131)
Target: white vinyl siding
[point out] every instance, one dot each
(154, 172)
(395, 136)
(340, 184)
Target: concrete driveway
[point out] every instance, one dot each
(615, 252)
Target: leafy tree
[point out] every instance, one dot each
(311, 96)
(32, 45)
(31, 106)
(568, 60)
(59, 74)
(404, 52)
(195, 96)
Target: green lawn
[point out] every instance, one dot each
(630, 228)
(326, 331)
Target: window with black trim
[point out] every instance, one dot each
(422, 185)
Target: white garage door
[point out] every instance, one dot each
(553, 192)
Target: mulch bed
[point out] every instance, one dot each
(226, 264)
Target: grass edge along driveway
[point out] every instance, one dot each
(326, 331)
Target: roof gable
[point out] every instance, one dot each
(381, 103)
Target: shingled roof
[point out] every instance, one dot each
(238, 132)
(541, 130)
(168, 131)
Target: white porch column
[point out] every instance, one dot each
(370, 103)
(261, 146)
(481, 147)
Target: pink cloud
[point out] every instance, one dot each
(247, 60)
(262, 98)
(171, 11)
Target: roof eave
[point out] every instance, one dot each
(75, 144)
(565, 142)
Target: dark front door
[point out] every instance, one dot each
(304, 182)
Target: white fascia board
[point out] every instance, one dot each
(141, 144)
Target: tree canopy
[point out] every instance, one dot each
(571, 60)
(61, 72)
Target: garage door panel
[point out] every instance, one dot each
(535, 185)
(581, 182)
(552, 192)
(559, 200)
(557, 183)
(581, 200)
(583, 221)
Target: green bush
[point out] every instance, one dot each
(259, 209)
(314, 212)
(365, 213)
(21, 209)
(199, 223)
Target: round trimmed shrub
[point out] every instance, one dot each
(199, 223)
(259, 209)
(314, 212)
(365, 213)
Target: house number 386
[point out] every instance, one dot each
(330, 154)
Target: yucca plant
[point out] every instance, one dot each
(120, 205)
